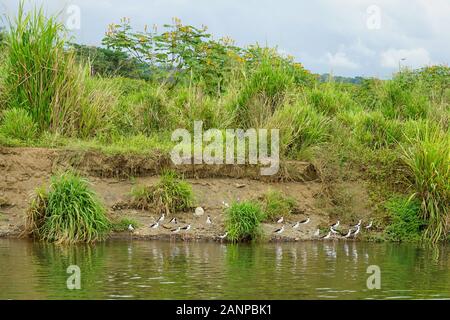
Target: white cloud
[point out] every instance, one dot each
(340, 60)
(414, 58)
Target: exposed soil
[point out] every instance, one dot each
(112, 177)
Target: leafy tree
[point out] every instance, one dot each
(108, 62)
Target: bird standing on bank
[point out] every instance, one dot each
(208, 220)
(161, 219)
(186, 228)
(369, 225)
(130, 228)
(223, 236)
(279, 231)
(173, 220)
(155, 225)
(280, 220)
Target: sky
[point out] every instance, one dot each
(343, 37)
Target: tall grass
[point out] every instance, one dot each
(300, 127)
(427, 159)
(69, 212)
(47, 81)
(243, 221)
(38, 68)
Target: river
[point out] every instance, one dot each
(120, 269)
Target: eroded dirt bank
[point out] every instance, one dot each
(112, 177)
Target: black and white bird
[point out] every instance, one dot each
(176, 230)
(369, 225)
(208, 220)
(334, 226)
(328, 236)
(358, 224)
(161, 219)
(130, 228)
(306, 221)
(332, 230)
(358, 229)
(186, 228)
(296, 225)
(280, 220)
(223, 236)
(349, 233)
(173, 220)
(155, 225)
(279, 231)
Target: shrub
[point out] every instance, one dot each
(17, 124)
(243, 221)
(69, 212)
(169, 195)
(427, 160)
(276, 205)
(406, 223)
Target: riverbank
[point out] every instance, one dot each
(113, 177)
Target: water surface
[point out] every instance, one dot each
(173, 270)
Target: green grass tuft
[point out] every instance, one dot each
(243, 221)
(18, 125)
(69, 212)
(171, 194)
(276, 205)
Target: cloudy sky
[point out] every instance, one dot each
(345, 37)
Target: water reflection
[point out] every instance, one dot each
(172, 270)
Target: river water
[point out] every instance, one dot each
(173, 270)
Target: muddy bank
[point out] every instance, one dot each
(112, 177)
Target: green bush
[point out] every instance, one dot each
(243, 221)
(17, 124)
(406, 222)
(276, 205)
(169, 195)
(69, 212)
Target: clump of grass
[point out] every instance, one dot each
(375, 131)
(69, 212)
(169, 195)
(243, 221)
(406, 224)
(427, 160)
(17, 124)
(276, 205)
(264, 90)
(300, 126)
(122, 224)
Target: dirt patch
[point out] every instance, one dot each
(112, 177)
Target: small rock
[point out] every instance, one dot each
(199, 212)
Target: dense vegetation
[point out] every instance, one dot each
(68, 212)
(394, 133)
